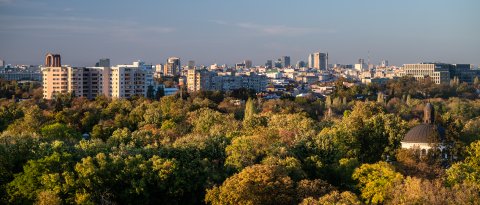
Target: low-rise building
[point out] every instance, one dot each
(438, 73)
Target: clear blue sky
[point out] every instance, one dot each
(227, 31)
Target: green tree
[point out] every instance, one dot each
(31, 122)
(250, 118)
(59, 131)
(153, 114)
(249, 110)
(334, 198)
(312, 188)
(15, 151)
(376, 181)
(258, 184)
(130, 179)
(471, 131)
(210, 122)
(247, 150)
(476, 81)
(48, 198)
(292, 128)
(367, 133)
(49, 173)
(8, 114)
(467, 170)
(328, 101)
(103, 130)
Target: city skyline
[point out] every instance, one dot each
(213, 31)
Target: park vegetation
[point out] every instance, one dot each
(234, 148)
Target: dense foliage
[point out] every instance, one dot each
(218, 148)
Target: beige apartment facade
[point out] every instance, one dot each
(81, 82)
(122, 81)
(90, 82)
(199, 80)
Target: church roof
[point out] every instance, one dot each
(425, 133)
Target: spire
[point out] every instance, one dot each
(428, 114)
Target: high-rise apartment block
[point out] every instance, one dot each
(121, 81)
(285, 61)
(198, 80)
(79, 81)
(130, 80)
(310, 60)
(269, 64)
(55, 81)
(318, 61)
(172, 67)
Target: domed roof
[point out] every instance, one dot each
(425, 133)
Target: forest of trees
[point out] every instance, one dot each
(214, 148)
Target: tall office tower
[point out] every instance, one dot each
(172, 67)
(2, 63)
(53, 60)
(310, 60)
(277, 63)
(248, 63)
(285, 61)
(191, 64)
(320, 61)
(361, 61)
(169, 69)
(300, 64)
(384, 63)
(104, 62)
(269, 64)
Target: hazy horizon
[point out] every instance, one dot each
(214, 31)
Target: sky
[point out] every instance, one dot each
(228, 31)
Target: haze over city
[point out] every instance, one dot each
(215, 31)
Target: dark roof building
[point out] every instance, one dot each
(423, 136)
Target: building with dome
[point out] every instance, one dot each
(426, 135)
